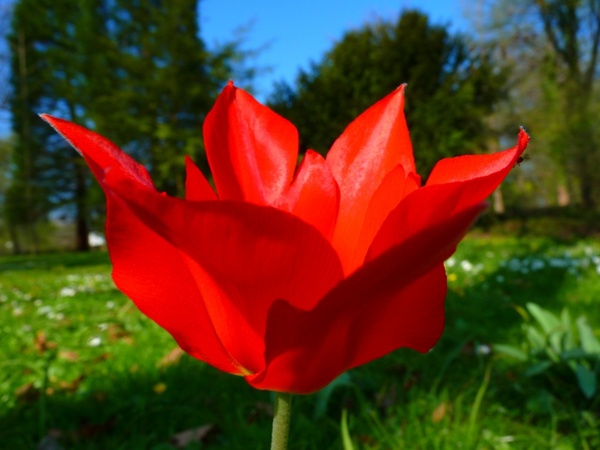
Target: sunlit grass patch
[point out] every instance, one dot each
(81, 365)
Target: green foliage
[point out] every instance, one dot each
(323, 397)
(160, 86)
(553, 59)
(346, 439)
(450, 89)
(136, 72)
(79, 362)
(553, 341)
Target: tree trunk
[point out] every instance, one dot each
(82, 243)
(31, 217)
(498, 201)
(562, 195)
(14, 237)
(81, 223)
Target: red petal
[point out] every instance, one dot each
(371, 147)
(152, 272)
(481, 174)
(243, 257)
(146, 267)
(423, 209)
(251, 150)
(413, 182)
(394, 301)
(382, 202)
(196, 185)
(455, 185)
(314, 195)
(100, 154)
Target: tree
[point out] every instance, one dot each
(161, 87)
(6, 150)
(24, 203)
(450, 89)
(553, 46)
(5, 15)
(573, 30)
(137, 72)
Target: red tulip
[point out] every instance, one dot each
(289, 276)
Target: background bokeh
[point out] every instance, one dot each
(519, 363)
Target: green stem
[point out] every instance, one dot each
(281, 421)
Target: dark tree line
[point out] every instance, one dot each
(138, 72)
(451, 89)
(135, 71)
(551, 47)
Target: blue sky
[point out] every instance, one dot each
(296, 32)
(293, 33)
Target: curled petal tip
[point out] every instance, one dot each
(229, 88)
(400, 89)
(523, 138)
(47, 118)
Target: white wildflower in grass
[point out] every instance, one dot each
(483, 349)
(514, 264)
(16, 309)
(37, 302)
(45, 310)
(88, 283)
(110, 305)
(94, 341)
(466, 265)
(537, 264)
(451, 262)
(558, 263)
(103, 326)
(67, 292)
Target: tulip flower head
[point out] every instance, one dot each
(290, 276)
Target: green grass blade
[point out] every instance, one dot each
(346, 440)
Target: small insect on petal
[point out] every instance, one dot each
(521, 159)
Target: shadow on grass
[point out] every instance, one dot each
(145, 411)
(52, 261)
(130, 409)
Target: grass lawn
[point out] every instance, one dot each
(80, 366)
